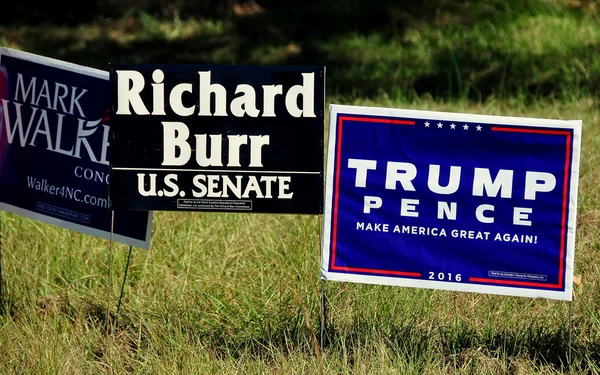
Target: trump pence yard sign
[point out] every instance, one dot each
(451, 201)
(217, 138)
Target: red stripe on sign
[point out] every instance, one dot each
(563, 244)
(370, 270)
(337, 192)
(529, 130)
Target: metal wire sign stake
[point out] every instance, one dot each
(124, 278)
(109, 284)
(2, 286)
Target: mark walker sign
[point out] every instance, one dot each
(217, 138)
(55, 149)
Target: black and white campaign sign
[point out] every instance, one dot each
(217, 138)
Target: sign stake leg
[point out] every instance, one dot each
(2, 286)
(323, 295)
(124, 278)
(569, 356)
(108, 287)
(323, 313)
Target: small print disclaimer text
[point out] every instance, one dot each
(62, 212)
(212, 204)
(517, 275)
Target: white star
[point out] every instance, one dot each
(466, 127)
(439, 124)
(426, 124)
(452, 126)
(478, 128)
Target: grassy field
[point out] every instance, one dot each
(240, 294)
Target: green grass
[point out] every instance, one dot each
(234, 293)
(240, 294)
(447, 49)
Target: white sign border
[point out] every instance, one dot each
(575, 125)
(59, 64)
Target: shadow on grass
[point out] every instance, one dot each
(456, 345)
(310, 33)
(286, 333)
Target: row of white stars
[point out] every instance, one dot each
(452, 126)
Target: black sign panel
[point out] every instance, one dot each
(217, 138)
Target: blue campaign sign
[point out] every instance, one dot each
(55, 149)
(451, 201)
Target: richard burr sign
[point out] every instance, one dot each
(217, 138)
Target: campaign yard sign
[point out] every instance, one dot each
(55, 150)
(217, 138)
(451, 201)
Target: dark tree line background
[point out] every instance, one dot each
(257, 25)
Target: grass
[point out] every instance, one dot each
(233, 293)
(240, 294)
(448, 49)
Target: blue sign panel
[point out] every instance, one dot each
(55, 149)
(451, 201)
